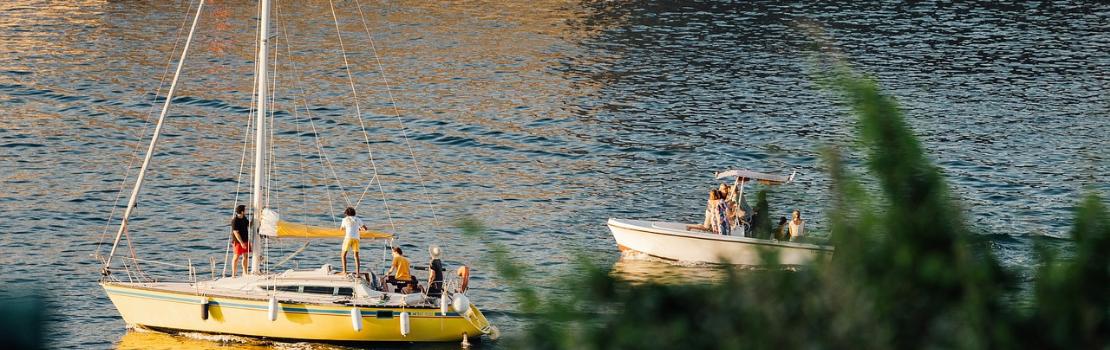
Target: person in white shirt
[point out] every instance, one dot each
(797, 226)
(351, 226)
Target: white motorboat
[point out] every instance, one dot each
(674, 241)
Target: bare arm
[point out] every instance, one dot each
(391, 267)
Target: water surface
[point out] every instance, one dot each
(542, 119)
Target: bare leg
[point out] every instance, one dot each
(358, 265)
(696, 227)
(344, 263)
(244, 262)
(234, 264)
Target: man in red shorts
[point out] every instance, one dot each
(240, 235)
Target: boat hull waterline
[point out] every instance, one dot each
(671, 241)
(175, 310)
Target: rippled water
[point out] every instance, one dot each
(541, 118)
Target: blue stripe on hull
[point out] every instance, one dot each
(292, 309)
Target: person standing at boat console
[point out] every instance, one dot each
(240, 237)
(351, 226)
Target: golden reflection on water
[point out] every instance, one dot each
(639, 270)
(150, 340)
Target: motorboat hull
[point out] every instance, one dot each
(671, 241)
(156, 308)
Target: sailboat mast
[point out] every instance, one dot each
(260, 135)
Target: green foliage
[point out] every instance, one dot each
(907, 273)
(1073, 298)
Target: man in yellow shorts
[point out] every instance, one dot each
(351, 226)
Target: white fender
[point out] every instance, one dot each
(461, 304)
(204, 305)
(405, 324)
(443, 304)
(273, 308)
(356, 319)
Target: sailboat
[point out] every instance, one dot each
(318, 304)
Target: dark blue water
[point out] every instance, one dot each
(541, 118)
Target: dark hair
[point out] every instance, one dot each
(398, 251)
(782, 220)
(240, 209)
(349, 212)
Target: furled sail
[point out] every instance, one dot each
(273, 226)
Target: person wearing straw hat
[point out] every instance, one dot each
(435, 273)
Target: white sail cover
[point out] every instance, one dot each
(763, 178)
(272, 226)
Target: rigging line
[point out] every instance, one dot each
(246, 144)
(270, 164)
(316, 134)
(296, 127)
(308, 112)
(358, 112)
(142, 134)
(397, 114)
(300, 157)
(366, 189)
(242, 166)
(154, 139)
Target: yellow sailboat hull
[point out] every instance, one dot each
(175, 310)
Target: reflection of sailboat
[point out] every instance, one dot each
(147, 340)
(674, 241)
(318, 305)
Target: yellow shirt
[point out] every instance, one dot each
(402, 268)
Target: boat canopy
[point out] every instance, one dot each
(273, 226)
(748, 175)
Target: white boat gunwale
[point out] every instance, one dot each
(186, 297)
(653, 228)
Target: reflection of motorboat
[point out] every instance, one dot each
(316, 305)
(673, 241)
(638, 268)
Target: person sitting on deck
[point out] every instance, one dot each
(240, 229)
(399, 274)
(711, 214)
(435, 273)
(781, 231)
(351, 227)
